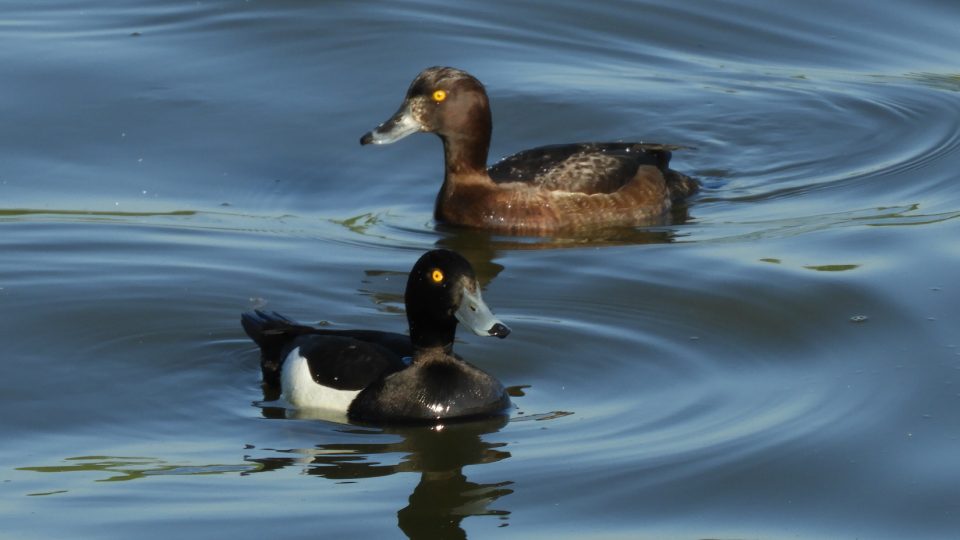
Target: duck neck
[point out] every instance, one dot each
(465, 156)
(434, 335)
(465, 166)
(465, 149)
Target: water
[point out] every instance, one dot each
(784, 364)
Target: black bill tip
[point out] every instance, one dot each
(499, 330)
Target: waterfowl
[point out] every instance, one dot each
(549, 189)
(385, 377)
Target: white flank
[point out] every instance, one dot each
(301, 391)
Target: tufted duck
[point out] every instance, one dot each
(383, 377)
(545, 190)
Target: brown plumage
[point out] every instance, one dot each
(546, 190)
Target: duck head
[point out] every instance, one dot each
(442, 290)
(446, 101)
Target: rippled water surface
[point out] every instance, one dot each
(782, 364)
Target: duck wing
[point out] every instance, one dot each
(347, 363)
(581, 168)
(277, 335)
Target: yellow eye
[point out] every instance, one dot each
(439, 95)
(437, 276)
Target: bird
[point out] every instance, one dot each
(563, 188)
(381, 377)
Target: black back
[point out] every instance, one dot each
(348, 363)
(377, 353)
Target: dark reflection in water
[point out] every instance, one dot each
(481, 248)
(462, 239)
(442, 498)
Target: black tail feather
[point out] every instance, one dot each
(264, 328)
(274, 334)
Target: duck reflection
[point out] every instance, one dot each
(481, 247)
(442, 498)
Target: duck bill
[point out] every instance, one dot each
(475, 315)
(397, 127)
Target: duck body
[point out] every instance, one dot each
(545, 190)
(564, 188)
(445, 386)
(386, 377)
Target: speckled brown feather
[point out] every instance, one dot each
(583, 167)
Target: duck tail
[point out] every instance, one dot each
(272, 332)
(267, 328)
(680, 185)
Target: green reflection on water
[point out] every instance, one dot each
(942, 81)
(44, 493)
(131, 468)
(817, 267)
(359, 224)
(20, 212)
(832, 267)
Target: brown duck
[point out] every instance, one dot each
(546, 190)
